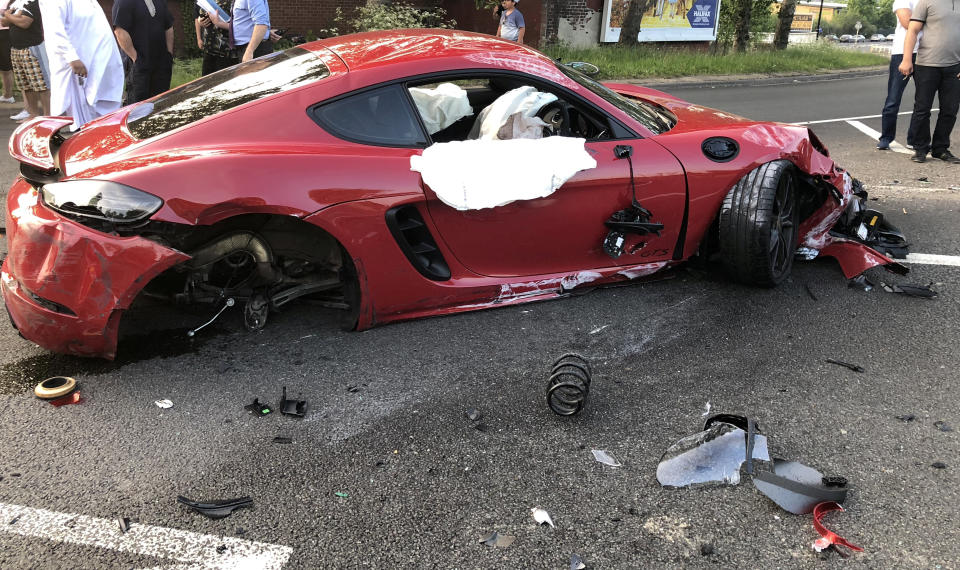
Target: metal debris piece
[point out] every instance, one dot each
(797, 488)
(473, 414)
(258, 409)
(495, 539)
(71, 398)
(296, 408)
(542, 517)
(216, 509)
(576, 563)
(938, 465)
(907, 417)
(603, 457)
(124, 524)
(942, 425)
(713, 456)
(163, 404)
(861, 282)
(569, 384)
(827, 537)
(853, 367)
(281, 439)
(228, 303)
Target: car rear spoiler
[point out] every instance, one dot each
(34, 144)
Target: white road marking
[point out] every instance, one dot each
(875, 135)
(845, 119)
(184, 549)
(932, 259)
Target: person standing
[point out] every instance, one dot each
(86, 75)
(144, 30)
(249, 28)
(6, 66)
(28, 55)
(214, 42)
(896, 82)
(937, 73)
(512, 25)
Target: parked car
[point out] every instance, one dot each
(831, 37)
(383, 172)
(846, 38)
(890, 37)
(877, 38)
(859, 38)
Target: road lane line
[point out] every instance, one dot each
(875, 135)
(932, 259)
(187, 548)
(845, 119)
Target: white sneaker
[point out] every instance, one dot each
(20, 116)
(7, 100)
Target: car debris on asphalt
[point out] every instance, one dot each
(297, 408)
(860, 282)
(576, 562)
(569, 384)
(124, 524)
(497, 540)
(713, 456)
(163, 404)
(938, 465)
(921, 291)
(602, 456)
(282, 439)
(854, 367)
(55, 387)
(827, 537)
(258, 409)
(942, 426)
(542, 517)
(797, 489)
(216, 509)
(473, 414)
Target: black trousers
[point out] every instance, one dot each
(931, 82)
(144, 83)
(265, 47)
(212, 63)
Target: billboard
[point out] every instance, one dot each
(665, 20)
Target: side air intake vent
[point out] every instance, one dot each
(412, 235)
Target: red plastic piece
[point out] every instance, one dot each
(71, 398)
(828, 537)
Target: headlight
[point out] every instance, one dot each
(100, 199)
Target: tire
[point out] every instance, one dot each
(758, 225)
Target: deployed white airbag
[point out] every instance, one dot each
(477, 174)
(442, 106)
(525, 101)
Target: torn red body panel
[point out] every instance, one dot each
(68, 284)
(828, 537)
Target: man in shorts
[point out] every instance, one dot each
(28, 55)
(512, 25)
(6, 66)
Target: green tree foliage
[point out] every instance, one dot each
(762, 20)
(387, 16)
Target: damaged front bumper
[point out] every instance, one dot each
(68, 284)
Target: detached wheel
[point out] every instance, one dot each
(758, 225)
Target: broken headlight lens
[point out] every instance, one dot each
(100, 199)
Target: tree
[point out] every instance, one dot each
(784, 23)
(630, 29)
(741, 37)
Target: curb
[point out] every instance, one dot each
(714, 81)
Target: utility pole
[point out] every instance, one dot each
(819, 16)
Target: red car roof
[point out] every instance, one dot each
(377, 49)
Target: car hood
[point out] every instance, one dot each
(690, 117)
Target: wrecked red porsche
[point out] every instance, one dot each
(401, 175)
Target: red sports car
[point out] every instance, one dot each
(405, 174)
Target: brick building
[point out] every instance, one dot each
(576, 22)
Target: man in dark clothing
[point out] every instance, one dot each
(144, 30)
(214, 42)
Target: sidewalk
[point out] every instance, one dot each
(757, 79)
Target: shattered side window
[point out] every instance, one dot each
(224, 90)
(656, 119)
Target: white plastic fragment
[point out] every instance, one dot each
(603, 457)
(576, 563)
(706, 410)
(164, 404)
(598, 329)
(542, 517)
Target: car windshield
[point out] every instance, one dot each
(654, 117)
(225, 90)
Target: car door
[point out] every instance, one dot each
(565, 231)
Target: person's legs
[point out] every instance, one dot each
(896, 83)
(139, 85)
(926, 80)
(31, 100)
(6, 67)
(161, 76)
(45, 102)
(949, 102)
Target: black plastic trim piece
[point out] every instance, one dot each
(720, 149)
(416, 242)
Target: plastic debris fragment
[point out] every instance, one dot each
(853, 367)
(71, 398)
(797, 488)
(827, 537)
(216, 509)
(542, 517)
(296, 408)
(163, 404)
(706, 410)
(907, 417)
(569, 384)
(938, 465)
(473, 414)
(55, 387)
(942, 425)
(576, 563)
(124, 524)
(605, 458)
(281, 439)
(258, 409)
(860, 282)
(713, 456)
(495, 539)
(342, 495)
(922, 291)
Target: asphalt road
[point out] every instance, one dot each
(419, 484)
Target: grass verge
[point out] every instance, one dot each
(619, 62)
(185, 71)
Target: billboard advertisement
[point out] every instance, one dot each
(665, 20)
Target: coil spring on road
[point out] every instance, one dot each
(569, 384)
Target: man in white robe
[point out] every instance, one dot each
(86, 73)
